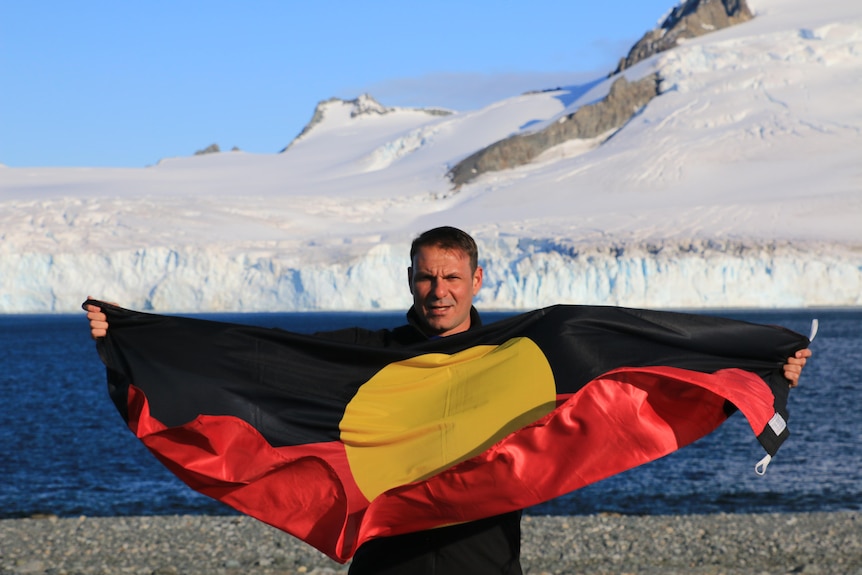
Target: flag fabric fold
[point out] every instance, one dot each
(339, 443)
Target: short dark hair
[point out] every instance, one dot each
(448, 238)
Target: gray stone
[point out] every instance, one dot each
(364, 105)
(211, 149)
(690, 19)
(622, 102)
(738, 544)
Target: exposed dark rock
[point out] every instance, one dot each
(364, 105)
(690, 19)
(211, 149)
(624, 99)
(316, 118)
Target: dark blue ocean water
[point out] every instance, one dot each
(65, 450)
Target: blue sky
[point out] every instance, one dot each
(102, 83)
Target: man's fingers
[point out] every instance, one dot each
(97, 316)
(98, 329)
(794, 365)
(98, 321)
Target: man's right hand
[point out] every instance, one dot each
(98, 321)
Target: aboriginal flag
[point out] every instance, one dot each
(339, 443)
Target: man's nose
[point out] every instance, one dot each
(438, 289)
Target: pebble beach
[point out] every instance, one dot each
(812, 543)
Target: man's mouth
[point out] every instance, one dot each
(437, 309)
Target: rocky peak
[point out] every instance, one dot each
(689, 19)
(364, 105)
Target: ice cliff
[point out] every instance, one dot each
(520, 273)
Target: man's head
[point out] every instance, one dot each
(444, 275)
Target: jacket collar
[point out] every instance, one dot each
(414, 320)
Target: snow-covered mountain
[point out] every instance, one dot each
(738, 185)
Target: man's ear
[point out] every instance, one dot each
(410, 278)
(477, 279)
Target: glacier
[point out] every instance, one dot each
(520, 273)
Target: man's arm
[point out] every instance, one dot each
(794, 365)
(98, 321)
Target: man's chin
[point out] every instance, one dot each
(436, 324)
(437, 327)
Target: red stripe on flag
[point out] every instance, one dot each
(307, 490)
(625, 418)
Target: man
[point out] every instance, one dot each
(444, 276)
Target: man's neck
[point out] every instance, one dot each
(414, 320)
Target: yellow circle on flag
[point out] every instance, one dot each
(419, 416)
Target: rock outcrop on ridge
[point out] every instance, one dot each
(364, 105)
(689, 19)
(624, 100)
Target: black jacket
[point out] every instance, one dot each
(490, 546)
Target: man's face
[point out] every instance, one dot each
(443, 286)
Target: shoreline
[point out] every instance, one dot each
(742, 544)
